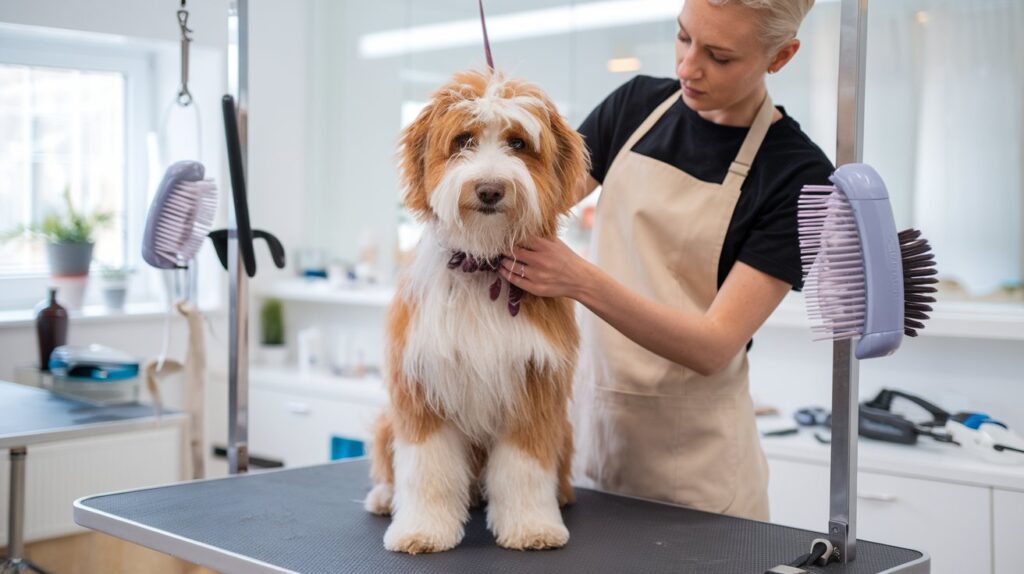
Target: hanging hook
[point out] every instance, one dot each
(184, 96)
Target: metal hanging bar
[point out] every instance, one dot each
(842, 530)
(238, 281)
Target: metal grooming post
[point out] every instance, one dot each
(238, 289)
(842, 531)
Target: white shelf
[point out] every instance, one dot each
(319, 291)
(949, 319)
(928, 459)
(96, 314)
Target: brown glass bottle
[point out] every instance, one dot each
(51, 329)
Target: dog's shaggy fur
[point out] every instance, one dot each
(479, 395)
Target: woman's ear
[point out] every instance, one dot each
(413, 162)
(572, 162)
(784, 55)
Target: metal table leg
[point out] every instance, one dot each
(15, 562)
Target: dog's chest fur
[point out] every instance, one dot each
(469, 354)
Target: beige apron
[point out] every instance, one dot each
(649, 427)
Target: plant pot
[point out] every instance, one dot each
(114, 295)
(70, 290)
(69, 258)
(274, 355)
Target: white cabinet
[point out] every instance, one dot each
(1008, 530)
(297, 428)
(951, 522)
(284, 427)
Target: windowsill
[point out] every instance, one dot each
(92, 314)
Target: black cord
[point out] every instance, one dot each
(801, 561)
(1002, 447)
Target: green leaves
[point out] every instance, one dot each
(73, 227)
(272, 322)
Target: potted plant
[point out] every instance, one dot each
(272, 348)
(114, 282)
(69, 242)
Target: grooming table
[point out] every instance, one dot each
(31, 416)
(311, 520)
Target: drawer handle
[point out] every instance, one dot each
(299, 408)
(876, 497)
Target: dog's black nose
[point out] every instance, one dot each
(490, 193)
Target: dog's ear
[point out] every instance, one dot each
(412, 146)
(572, 162)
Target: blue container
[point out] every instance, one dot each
(342, 448)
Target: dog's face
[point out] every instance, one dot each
(491, 161)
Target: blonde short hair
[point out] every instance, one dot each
(781, 20)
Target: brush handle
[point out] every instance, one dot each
(883, 265)
(243, 229)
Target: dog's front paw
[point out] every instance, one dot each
(421, 539)
(378, 501)
(530, 535)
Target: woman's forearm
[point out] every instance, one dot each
(684, 338)
(703, 342)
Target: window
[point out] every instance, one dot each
(74, 113)
(61, 131)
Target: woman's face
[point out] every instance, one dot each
(720, 59)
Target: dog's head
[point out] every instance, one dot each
(490, 161)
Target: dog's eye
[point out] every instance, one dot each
(461, 141)
(516, 143)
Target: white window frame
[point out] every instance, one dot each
(87, 52)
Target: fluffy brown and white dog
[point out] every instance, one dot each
(479, 384)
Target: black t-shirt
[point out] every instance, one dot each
(763, 229)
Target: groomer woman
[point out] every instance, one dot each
(694, 245)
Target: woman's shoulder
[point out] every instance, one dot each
(787, 143)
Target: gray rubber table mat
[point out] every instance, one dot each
(311, 520)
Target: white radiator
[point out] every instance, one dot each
(56, 474)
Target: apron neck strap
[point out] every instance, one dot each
(650, 120)
(741, 165)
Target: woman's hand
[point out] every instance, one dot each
(546, 268)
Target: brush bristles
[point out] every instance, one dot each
(918, 280)
(833, 265)
(186, 218)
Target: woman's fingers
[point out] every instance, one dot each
(520, 254)
(513, 267)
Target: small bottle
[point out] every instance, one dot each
(51, 329)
